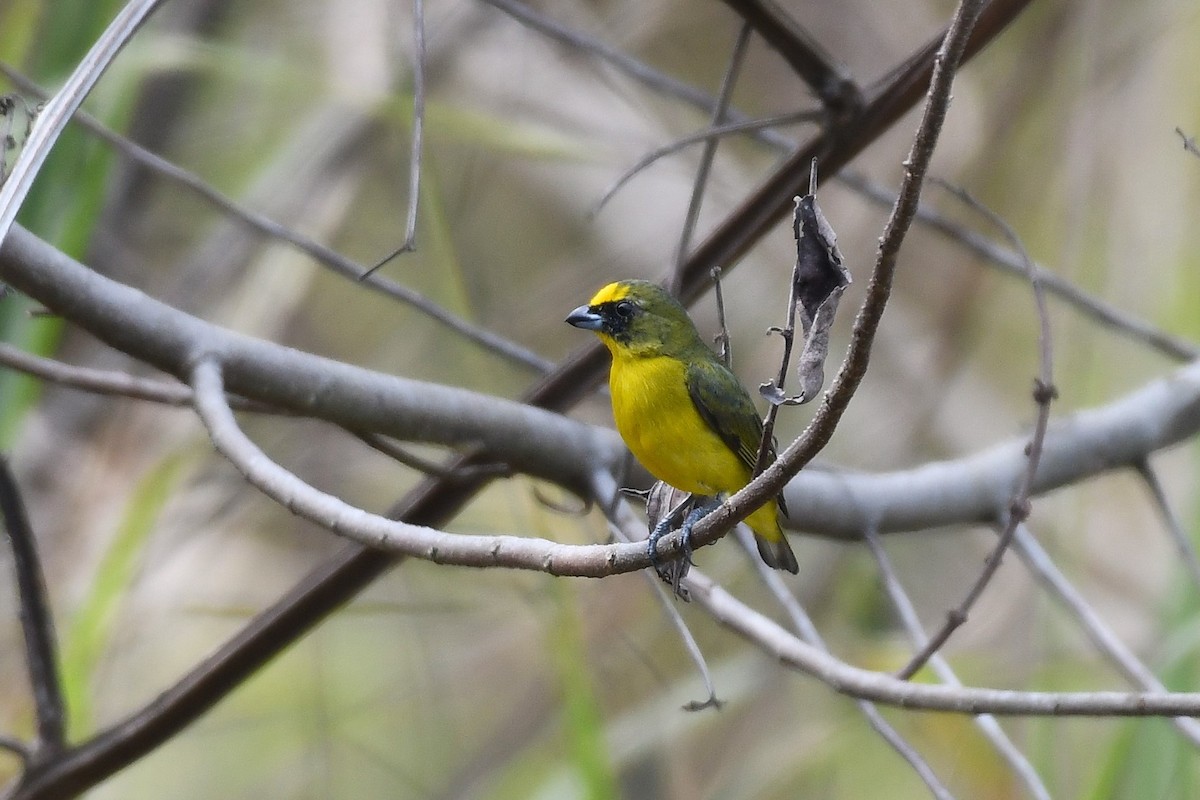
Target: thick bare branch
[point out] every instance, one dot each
(826, 503)
(301, 383)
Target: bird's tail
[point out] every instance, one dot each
(773, 546)
(777, 553)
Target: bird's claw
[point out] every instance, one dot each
(673, 571)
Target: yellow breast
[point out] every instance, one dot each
(658, 421)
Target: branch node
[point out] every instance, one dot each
(1044, 393)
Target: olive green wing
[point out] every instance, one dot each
(725, 406)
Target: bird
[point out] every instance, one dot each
(682, 413)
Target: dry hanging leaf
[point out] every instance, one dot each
(820, 278)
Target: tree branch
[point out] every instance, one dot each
(986, 723)
(322, 254)
(774, 640)
(55, 114)
(828, 79)
(854, 366)
(808, 633)
(37, 624)
(1042, 567)
(305, 384)
(394, 536)
(825, 503)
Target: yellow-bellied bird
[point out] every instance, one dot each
(682, 413)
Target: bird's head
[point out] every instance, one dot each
(637, 317)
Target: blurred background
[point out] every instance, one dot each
(446, 683)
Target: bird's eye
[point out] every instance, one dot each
(624, 309)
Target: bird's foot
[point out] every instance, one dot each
(675, 570)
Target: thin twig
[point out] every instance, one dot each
(724, 343)
(767, 443)
(708, 154)
(1043, 568)
(37, 623)
(1010, 261)
(415, 149)
(448, 471)
(807, 631)
(17, 748)
(1189, 142)
(1179, 536)
(705, 135)
(625, 527)
(987, 724)
(665, 602)
(112, 382)
(320, 253)
(1043, 395)
(638, 70)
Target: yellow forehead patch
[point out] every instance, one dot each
(610, 293)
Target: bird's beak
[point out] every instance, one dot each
(584, 317)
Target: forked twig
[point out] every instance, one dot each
(807, 631)
(987, 723)
(705, 135)
(1043, 395)
(415, 148)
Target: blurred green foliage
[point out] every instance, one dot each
(457, 683)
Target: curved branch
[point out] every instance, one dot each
(539, 442)
(773, 639)
(393, 536)
(825, 503)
